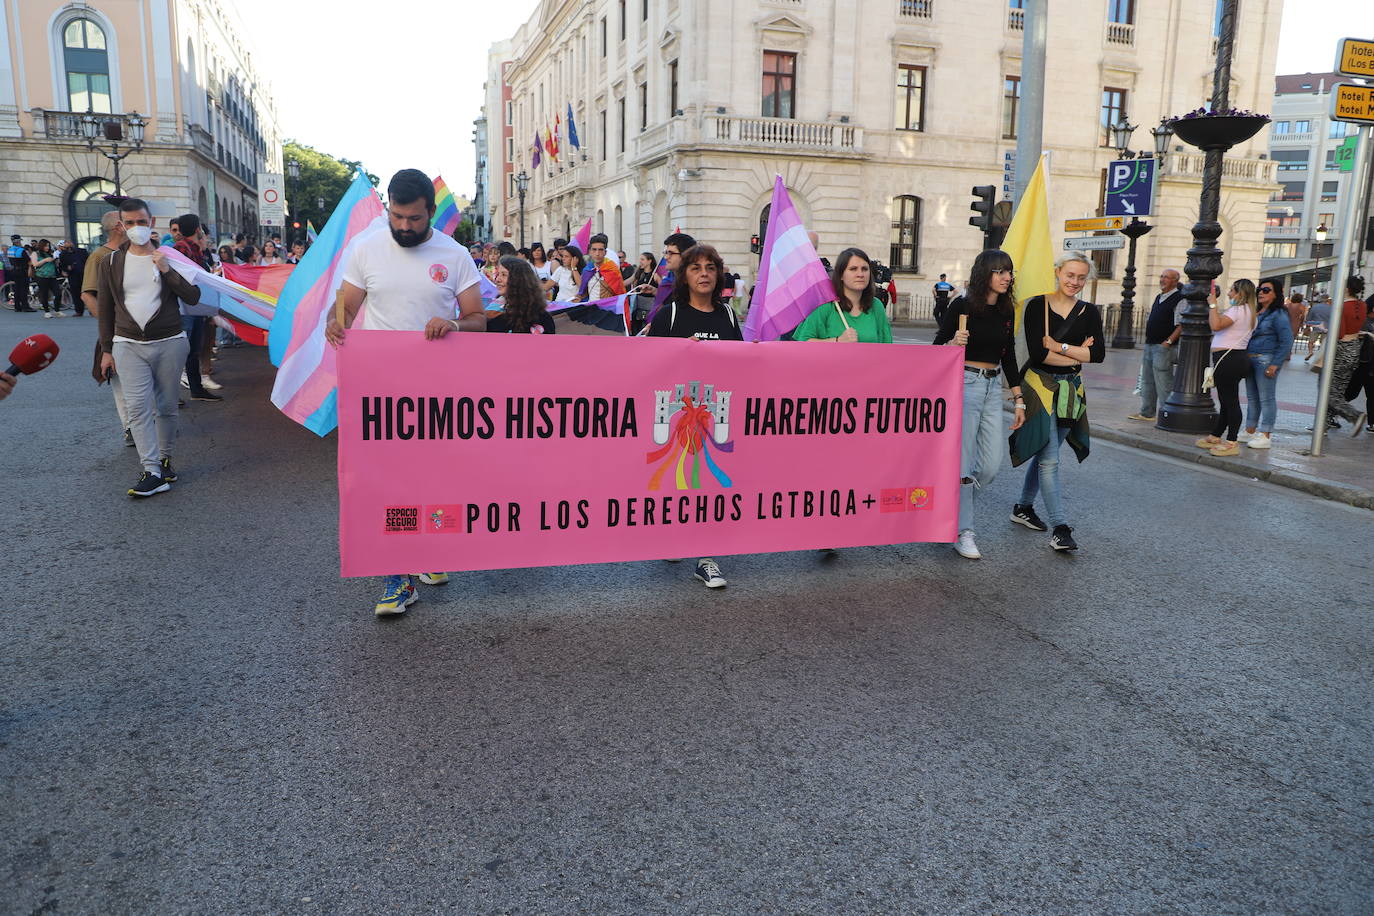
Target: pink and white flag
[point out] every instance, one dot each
(792, 281)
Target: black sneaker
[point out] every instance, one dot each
(129, 438)
(169, 473)
(149, 484)
(1062, 539)
(205, 396)
(1025, 515)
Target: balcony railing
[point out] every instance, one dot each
(783, 133)
(1282, 232)
(1121, 33)
(1016, 20)
(1257, 171)
(572, 177)
(203, 142)
(1292, 138)
(66, 125)
(916, 9)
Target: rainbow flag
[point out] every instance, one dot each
(310, 233)
(446, 214)
(792, 282)
(305, 389)
(610, 277)
(267, 280)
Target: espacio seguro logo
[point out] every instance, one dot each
(402, 520)
(690, 421)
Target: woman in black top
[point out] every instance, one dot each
(696, 309)
(989, 352)
(524, 308)
(1062, 333)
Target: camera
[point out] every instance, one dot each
(882, 274)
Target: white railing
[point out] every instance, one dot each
(650, 140)
(1121, 33)
(1282, 232)
(569, 179)
(783, 133)
(1187, 165)
(1291, 138)
(1016, 20)
(916, 9)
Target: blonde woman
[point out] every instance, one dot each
(1062, 333)
(1231, 330)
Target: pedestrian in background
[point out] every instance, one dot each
(1231, 330)
(1270, 346)
(989, 344)
(71, 264)
(44, 263)
(114, 239)
(17, 273)
(524, 310)
(1347, 328)
(1158, 357)
(270, 258)
(1297, 315)
(1062, 332)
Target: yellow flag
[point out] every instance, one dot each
(1032, 253)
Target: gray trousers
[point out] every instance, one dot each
(117, 387)
(149, 374)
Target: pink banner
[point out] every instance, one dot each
(496, 451)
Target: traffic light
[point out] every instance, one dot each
(296, 225)
(754, 247)
(982, 207)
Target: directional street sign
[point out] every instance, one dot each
(1352, 104)
(1355, 57)
(1095, 243)
(1130, 187)
(1094, 223)
(1345, 154)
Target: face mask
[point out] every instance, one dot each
(140, 235)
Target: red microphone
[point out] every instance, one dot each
(32, 354)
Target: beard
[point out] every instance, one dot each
(407, 238)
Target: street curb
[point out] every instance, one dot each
(1294, 480)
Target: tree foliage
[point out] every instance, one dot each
(322, 177)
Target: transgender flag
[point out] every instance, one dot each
(305, 389)
(792, 282)
(446, 215)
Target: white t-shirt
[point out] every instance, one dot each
(406, 287)
(142, 288)
(567, 283)
(542, 271)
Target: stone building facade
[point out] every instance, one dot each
(880, 115)
(184, 66)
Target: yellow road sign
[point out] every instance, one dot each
(1355, 57)
(1094, 224)
(1354, 104)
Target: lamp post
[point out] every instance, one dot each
(1125, 326)
(1188, 409)
(293, 175)
(522, 183)
(1320, 235)
(113, 131)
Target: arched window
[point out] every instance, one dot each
(85, 206)
(88, 66)
(906, 233)
(619, 236)
(202, 210)
(763, 227)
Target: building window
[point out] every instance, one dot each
(1331, 163)
(85, 206)
(510, 109)
(644, 11)
(1121, 11)
(1329, 191)
(1011, 104)
(1291, 160)
(605, 137)
(88, 67)
(1281, 127)
(1336, 130)
(779, 84)
(1281, 220)
(622, 20)
(672, 88)
(1292, 190)
(906, 233)
(1326, 219)
(1104, 262)
(510, 149)
(1113, 112)
(603, 36)
(1302, 127)
(1279, 250)
(620, 118)
(763, 227)
(643, 106)
(911, 97)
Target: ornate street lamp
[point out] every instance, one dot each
(1162, 135)
(1188, 409)
(293, 175)
(1121, 137)
(92, 128)
(522, 183)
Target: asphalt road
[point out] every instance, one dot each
(197, 715)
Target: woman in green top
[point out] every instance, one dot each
(44, 261)
(856, 314)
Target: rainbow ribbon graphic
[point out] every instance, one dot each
(691, 435)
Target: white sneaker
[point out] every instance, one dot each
(709, 573)
(185, 382)
(1260, 440)
(1246, 437)
(966, 547)
(47, 314)
(210, 383)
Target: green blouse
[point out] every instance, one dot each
(825, 323)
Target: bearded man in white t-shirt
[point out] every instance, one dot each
(411, 279)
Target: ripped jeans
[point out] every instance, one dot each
(984, 440)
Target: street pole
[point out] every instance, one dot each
(522, 217)
(1030, 115)
(1349, 237)
(1125, 327)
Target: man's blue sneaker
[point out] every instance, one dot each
(398, 593)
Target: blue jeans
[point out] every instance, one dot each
(1042, 473)
(1156, 377)
(983, 443)
(1261, 395)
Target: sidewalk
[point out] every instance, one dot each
(1344, 473)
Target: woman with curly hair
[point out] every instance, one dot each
(524, 308)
